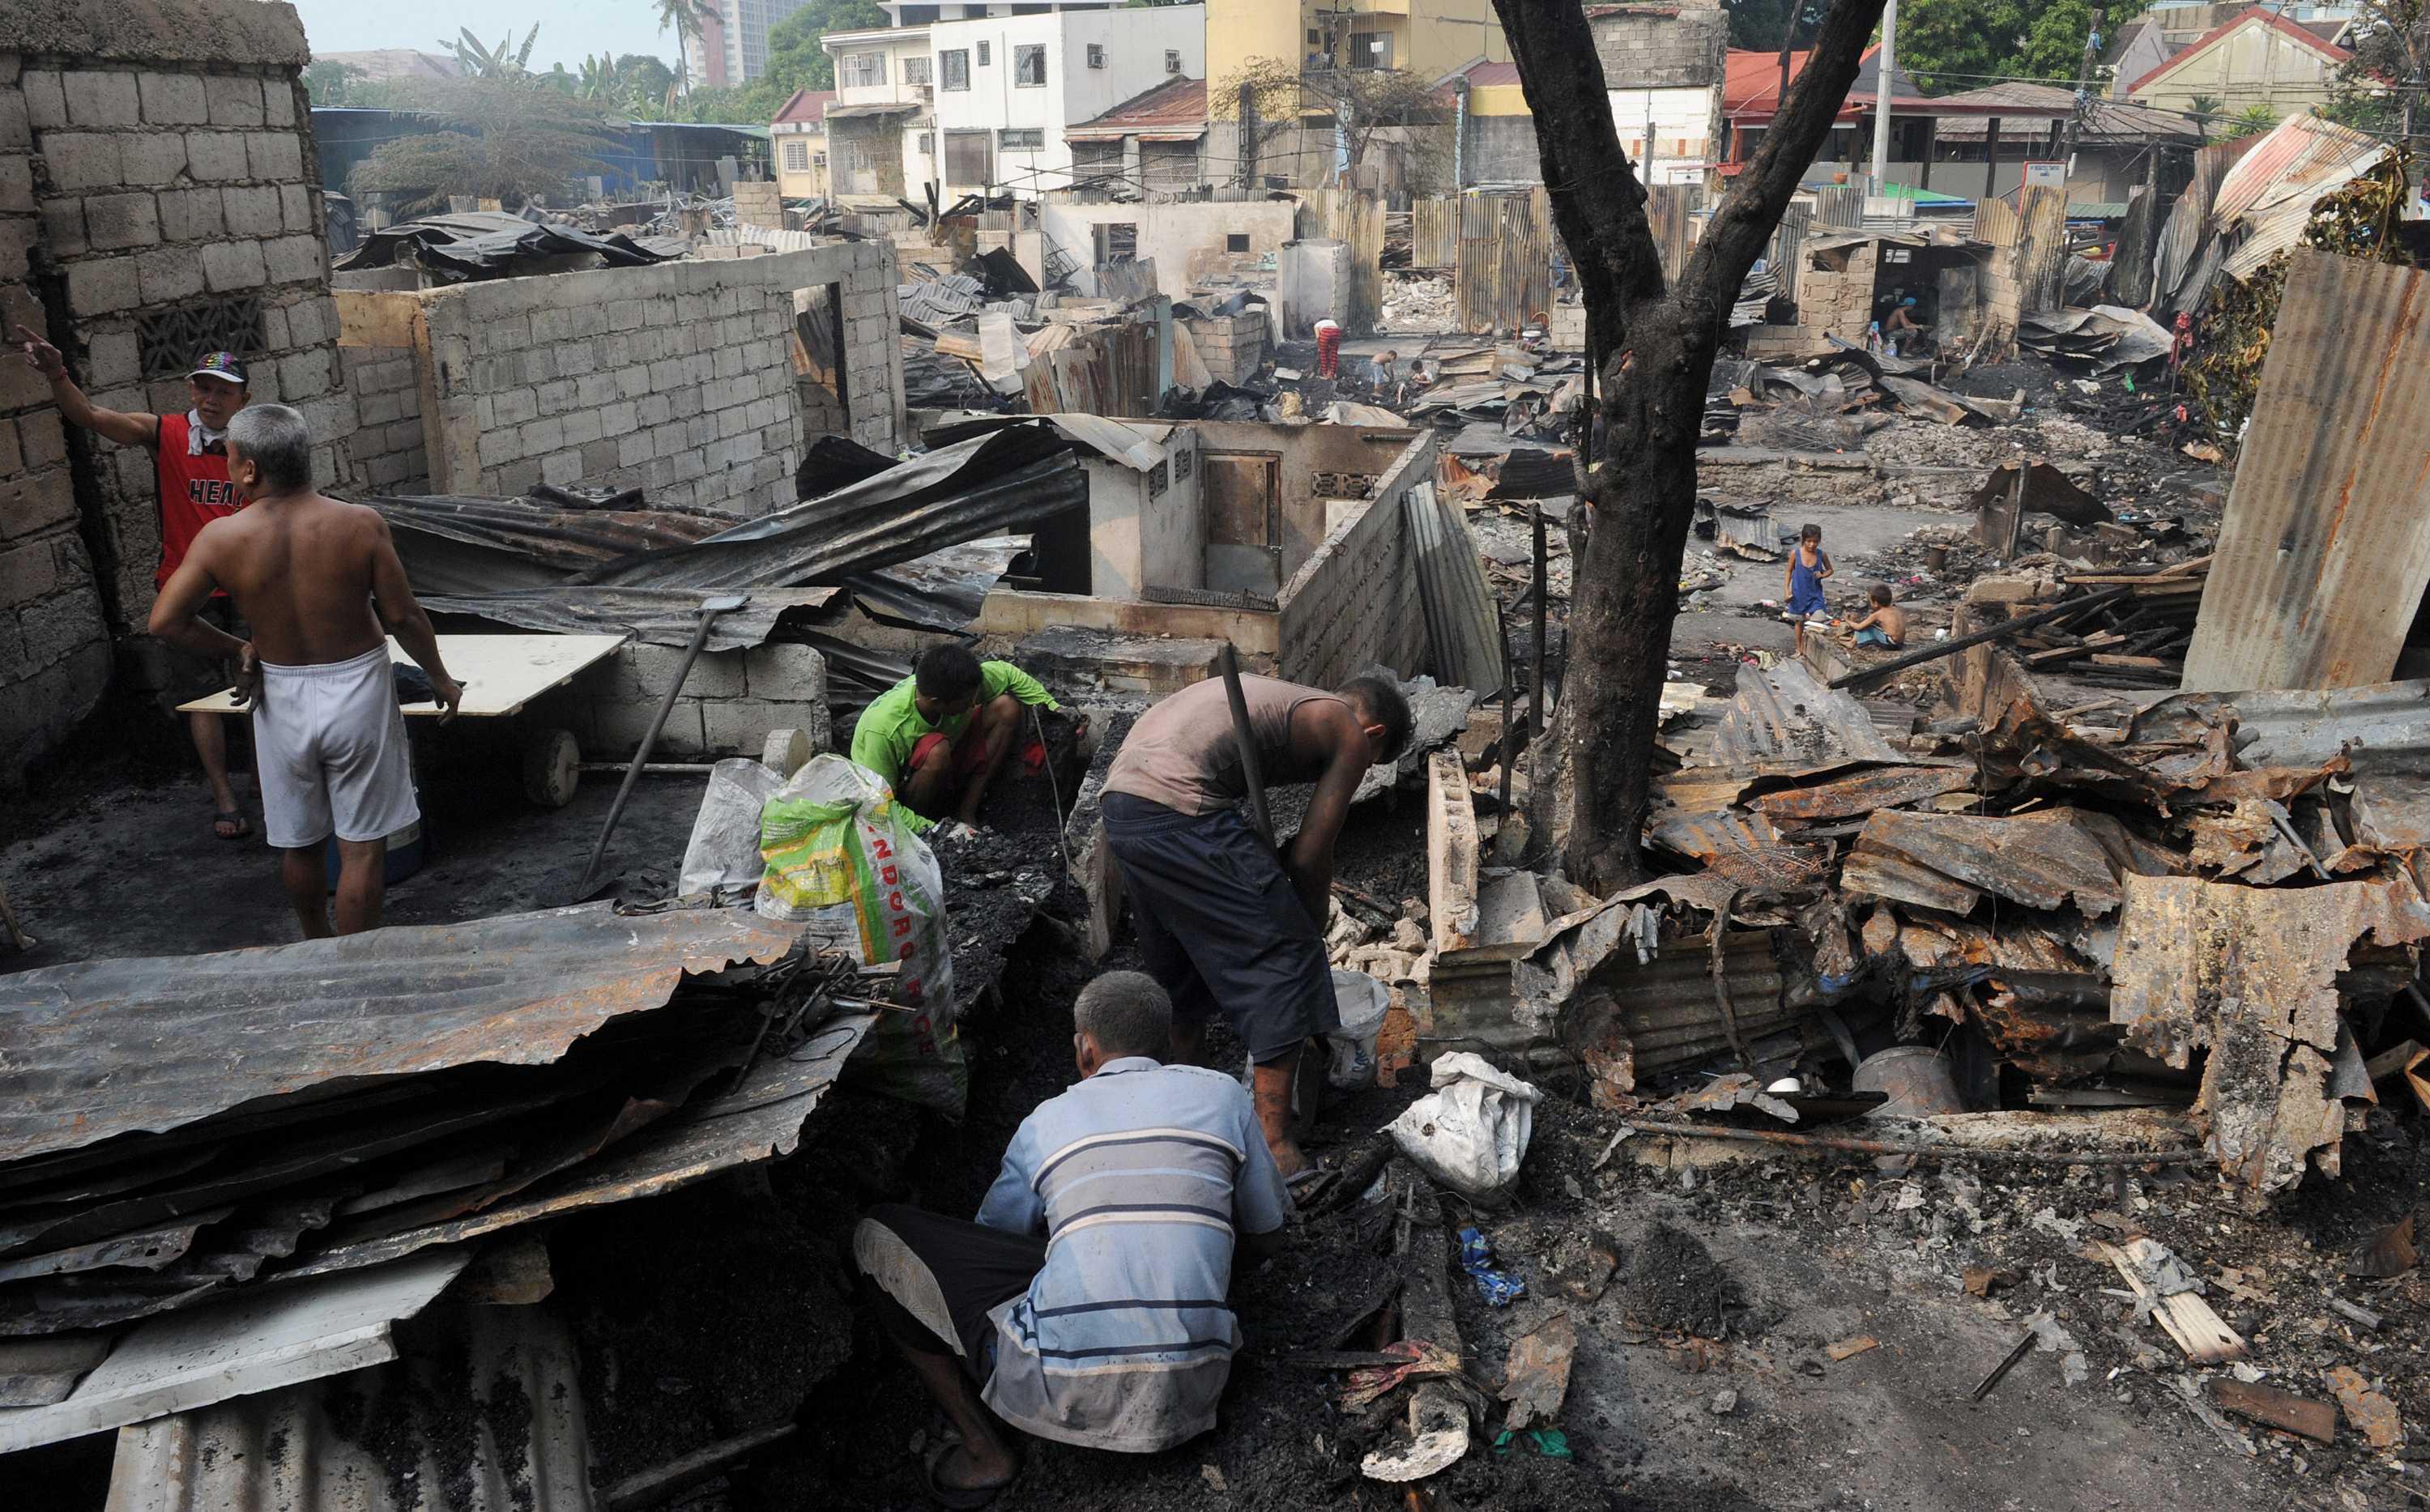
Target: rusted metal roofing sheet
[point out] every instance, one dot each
(2043, 859)
(2324, 547)
(98, 1049)
(1862, 793)
(1784, 714)
(2380, 731)
(482, 1411)
(2269, 194)
(2251, 974)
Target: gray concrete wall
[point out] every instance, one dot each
(1501, 149)
(388, 446)
(676, 378)
(1659, 46)
(157, 198)
(1356, 599)
(728, 704)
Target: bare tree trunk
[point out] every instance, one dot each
(1655, 347)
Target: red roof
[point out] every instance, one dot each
(1751, 91)
(805, 108)
(1176, 106)
(1477, 73)
(2271, 18)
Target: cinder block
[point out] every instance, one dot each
(192, 215)
(151, 160)
(235, 100)
(97, 98)
(783, 673)
(515, 406)
(46, 102)
(741, 725)
(81, 160)
(172, 99)
(305, 374)
(253, 210)
(495, 448)
(541, 436)
(215, 156)
(275, 156)
(646, 672)
(277, 102)
(555, 396)
(102, 286)
(115, 222)
(36, 502)
(582, 425)
(39, 439)
(295, 260)
(63, 227)
(562, 468)
(229, 265)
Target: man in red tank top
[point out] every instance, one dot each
(190, 468)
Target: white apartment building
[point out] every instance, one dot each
(969, 97)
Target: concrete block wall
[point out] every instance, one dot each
(758, 204)
(1658, 47)
(729, 703)
(678, 378)
(55, 656)
(387, 447)
(1356, 599)
(157, 168)
(1841, 303)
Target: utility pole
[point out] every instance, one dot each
(1882, 99)
(2083, 90)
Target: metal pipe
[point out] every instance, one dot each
(710, 609)
(1227, 661)
(1882, 1147)
(1535, 674)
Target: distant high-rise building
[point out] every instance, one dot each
(733, 47)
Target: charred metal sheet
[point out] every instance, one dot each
(503, 543)
(104, 1048)
(1741, 847)
(1641, 1018)
(2250, 973)
(987, 486)
(491, 244)
(481, 1411)
(1862, 793)
(2324, 547)
(660, 617)
(2378, 735)
(1878, 875)
(942, 591)
(760, 1119)
(1783, 714)
(2042, 859)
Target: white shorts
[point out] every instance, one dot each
(329, 741)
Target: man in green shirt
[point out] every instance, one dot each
(945, 730)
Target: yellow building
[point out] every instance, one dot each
(1430, 38)
(2257, 58)
(797, 139)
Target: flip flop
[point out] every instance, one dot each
(959, 1498)
(244, 827)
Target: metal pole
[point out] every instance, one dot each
(1227, 663)
(1248, 136)
(2083, 93)
(1882, 100)
(1536, 674)
(710, 609)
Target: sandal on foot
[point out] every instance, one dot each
(242, 830)
(959, 1498)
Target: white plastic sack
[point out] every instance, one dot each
(1359, 1001)
(724, 849)
(1471, 1132)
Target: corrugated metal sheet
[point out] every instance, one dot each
(2043, 859)
(2324, 547)
(2182, 239)
(2269, 193)
(2383, 730)
(1505, 259)
(1863, 793)
(1434, 233)
(661, 616)
(483, 1412)
(983, 487)
(1784, 714)
(1355, 218)
(103, 1048)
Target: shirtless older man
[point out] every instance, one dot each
(320, 583)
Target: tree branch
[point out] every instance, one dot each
(1749, 214)
(1598, 205)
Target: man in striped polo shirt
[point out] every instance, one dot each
(1087, 1302)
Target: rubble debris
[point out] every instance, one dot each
(1439, 1407)
(2389, 1253)
(1499, 1289)
(1676, 1285)
(2368, 1412)
(2273, 1408)
(1848, 1349)
(476, 244)
(2008, 1362)
(1471, 1132)
(2170, 1293)
(2265, 1008)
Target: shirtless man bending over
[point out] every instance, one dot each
(320, 583)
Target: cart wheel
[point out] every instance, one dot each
(551, 767)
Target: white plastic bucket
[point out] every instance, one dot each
(1361, 1000)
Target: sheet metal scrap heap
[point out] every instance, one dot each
(2097, 901)
(217, 1125)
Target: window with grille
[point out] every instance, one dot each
(1169, 164)
(1371, 49)
(1097, 56)
(983, 55)
(1180, 464)
(1158, 479)
(953, 69)
(1236, 241)
(797, 156)
(915, 70)
(970, 162)
(861, 69)
(1095, 159)
(1021, 139)
(1029, 66)
(1118, 241)
(1172, 60)
(927, 143)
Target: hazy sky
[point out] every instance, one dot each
(568, 29)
